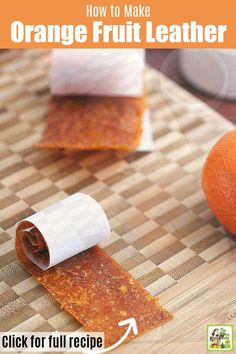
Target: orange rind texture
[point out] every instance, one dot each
(98, 292)
(219, 181)
(94, 123)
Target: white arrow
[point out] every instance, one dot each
(132, 327)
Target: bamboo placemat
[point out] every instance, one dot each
(162, 229)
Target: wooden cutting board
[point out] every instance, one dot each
(162, 230)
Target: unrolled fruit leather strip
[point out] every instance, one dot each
(93, 123)
(97, 292)
(54, 245)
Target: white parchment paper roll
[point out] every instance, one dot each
(97, 72)
(68, 227)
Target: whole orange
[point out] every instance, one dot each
(219, 181)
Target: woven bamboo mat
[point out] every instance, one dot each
(162, 229)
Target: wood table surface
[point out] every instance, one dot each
(206, 296)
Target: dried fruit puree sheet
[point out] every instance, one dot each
(90, 123)
(97, 100)
(58, 247)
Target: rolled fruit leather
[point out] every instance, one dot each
(55, 246)
(62, 230)
(98, 101)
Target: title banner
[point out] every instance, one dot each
(101, 24)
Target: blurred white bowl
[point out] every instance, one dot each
(210, 70)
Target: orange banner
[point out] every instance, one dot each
(102, 24)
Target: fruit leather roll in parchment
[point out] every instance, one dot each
(96, 72)
(57, 246)
(98, 101)
(63, 230)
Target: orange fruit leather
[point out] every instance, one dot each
(94, 123)
(95, 290)
(219, 181)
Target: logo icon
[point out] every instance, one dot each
(220, 338)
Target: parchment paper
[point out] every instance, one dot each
(97, 72)
(68, 227)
